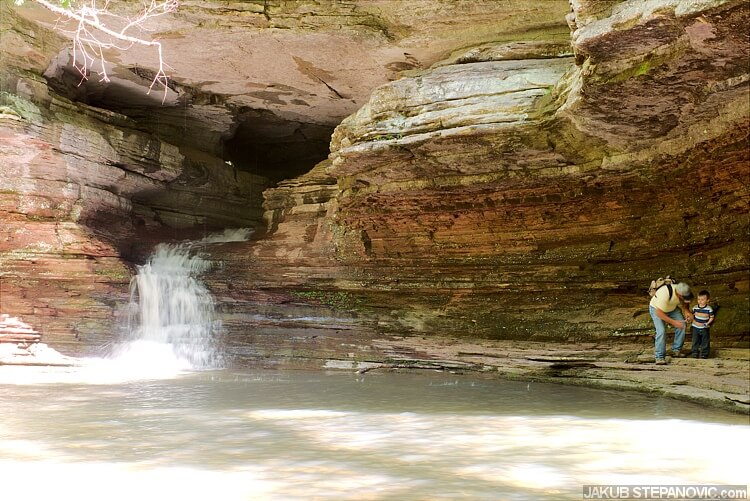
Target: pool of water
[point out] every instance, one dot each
(229, 435)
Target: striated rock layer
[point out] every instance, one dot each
(524, 191)
(494, 180)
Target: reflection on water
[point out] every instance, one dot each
(246, 436)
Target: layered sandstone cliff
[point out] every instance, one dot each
(525, 190)
(499, 182)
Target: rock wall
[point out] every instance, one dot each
(502, 184)
(532, 191)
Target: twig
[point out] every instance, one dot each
(91, 17)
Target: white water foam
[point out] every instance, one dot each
(170, 307)
(171, 329)
(228, 235)
(171, 317)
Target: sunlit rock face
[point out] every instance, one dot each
(495, 169)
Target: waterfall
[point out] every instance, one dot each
(171, 318)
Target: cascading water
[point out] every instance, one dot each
(171, 320)
(170, 309)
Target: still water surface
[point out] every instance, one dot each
(227, 435)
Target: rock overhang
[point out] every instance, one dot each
(267, 81)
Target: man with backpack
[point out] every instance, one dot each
(670, 305)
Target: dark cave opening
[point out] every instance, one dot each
(275, 148)
(253, 140)
(229, 154)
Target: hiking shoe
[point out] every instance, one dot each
(661, 361)
(676, 354)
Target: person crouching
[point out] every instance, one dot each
(670, 305)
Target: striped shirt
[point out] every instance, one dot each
(701, 316)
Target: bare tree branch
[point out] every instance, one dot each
(98, 30)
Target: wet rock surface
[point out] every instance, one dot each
(719, 382)
(304, 342)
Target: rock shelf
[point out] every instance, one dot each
(13, 330)
(20, 345)
(722, 381)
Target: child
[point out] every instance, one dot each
(703, 317)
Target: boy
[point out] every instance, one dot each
(703, 317)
